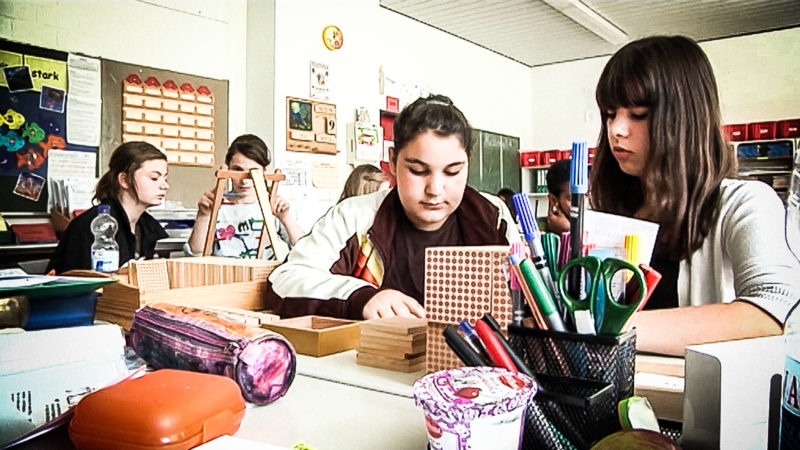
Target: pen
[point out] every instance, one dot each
(461, 348)
(541, 294)
(530, 230)
(474, 341)
(517, 308)
(579, 186)
(499, 357)
(521, 366)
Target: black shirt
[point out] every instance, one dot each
(74, 249)
(665, 294)
(408, 250)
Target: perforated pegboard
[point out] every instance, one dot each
(467, 282)
(438, 353)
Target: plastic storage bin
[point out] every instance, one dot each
(762, 130)
(789, 128)
(736, 132)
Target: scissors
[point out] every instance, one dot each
(610, 316)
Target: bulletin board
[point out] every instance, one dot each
(195, 140)
(33, 111)
(24, 149)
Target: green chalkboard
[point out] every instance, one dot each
(495, 162)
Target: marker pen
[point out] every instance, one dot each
(499, 357)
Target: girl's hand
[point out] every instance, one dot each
(205, 204)
(281, 208)
(389, 302)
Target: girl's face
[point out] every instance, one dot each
(244, 187)
(629, 137)
(151, 182)
(431, 173)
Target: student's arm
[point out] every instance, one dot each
(669, 331)
(281, 211)
(197, 240)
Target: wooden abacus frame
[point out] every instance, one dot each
(266, 200)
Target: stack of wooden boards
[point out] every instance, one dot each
(394, 343)
(208, 281)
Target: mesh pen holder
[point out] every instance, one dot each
(575, 413)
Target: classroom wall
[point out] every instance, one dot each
(199, 37)
(756, 76)
(493, 92)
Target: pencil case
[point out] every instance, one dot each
(166, 409)
(261, 362)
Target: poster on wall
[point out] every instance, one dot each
(319, 81)
(34, 109)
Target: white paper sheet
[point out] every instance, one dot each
(83, 100)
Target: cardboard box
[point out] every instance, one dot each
(318, 335)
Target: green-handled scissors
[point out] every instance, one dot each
(610, 316)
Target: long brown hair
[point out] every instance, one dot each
(688, 155)
(127, 159)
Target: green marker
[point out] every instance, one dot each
(540, 293)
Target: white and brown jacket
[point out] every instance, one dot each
(318, 276)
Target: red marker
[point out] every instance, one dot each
(496, 352)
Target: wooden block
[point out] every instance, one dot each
(389, 337)
(396, 325)
(317, 335)
(377, 347)
(398, 365)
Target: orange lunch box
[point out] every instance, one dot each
(166, 409)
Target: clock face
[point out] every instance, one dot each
(332, 37)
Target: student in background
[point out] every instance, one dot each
(662, 158)
(558, 197)
(506, 195)
(365, 258)
(364, 179)
(136, 180)
(240, 220)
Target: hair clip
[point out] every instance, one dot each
(437, 102)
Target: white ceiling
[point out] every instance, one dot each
(539, 32)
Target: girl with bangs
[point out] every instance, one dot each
(727, 270)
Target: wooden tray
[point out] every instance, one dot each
(318, 335)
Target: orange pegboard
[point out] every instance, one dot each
(467, 282)
(438, 355)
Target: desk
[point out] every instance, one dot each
(328, 415)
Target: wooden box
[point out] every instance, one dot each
(200, 282)
(318, 335)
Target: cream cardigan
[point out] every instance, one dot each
(745, 255)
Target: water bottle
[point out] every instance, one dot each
(105, 251)
(790, 403)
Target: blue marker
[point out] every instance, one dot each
(530, 231)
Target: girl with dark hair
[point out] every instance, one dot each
(240, 220)
(662, 158)
(365, 258)
(136, 180)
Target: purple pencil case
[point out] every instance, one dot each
(263, 363)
